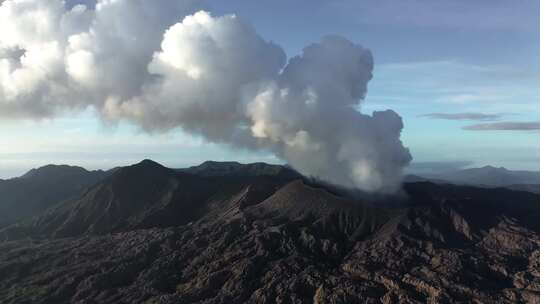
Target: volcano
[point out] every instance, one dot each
(259, 233)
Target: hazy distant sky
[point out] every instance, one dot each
(464, 75)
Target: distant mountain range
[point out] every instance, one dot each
(487, 176)
(259, 233)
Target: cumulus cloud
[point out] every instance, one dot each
(505, 126)
(167, 64)
(463, 116)
(53, 59)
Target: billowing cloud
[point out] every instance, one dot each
(166, 64)
(53, 59)
(505, 126)
(463, 116)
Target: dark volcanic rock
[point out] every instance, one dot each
(144, 195)
(39, 189)
(184, 237)
(213, 168)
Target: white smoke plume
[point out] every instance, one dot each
(166, 64)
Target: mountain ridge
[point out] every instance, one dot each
(41, 188)
(487, 176)
(150, 234)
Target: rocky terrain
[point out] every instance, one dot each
(263, 234)
(42, 188)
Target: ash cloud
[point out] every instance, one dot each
(168, 64)
(505, 126)
(463, 116)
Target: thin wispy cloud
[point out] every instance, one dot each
(451, 85)
(463, 116)
(505, 126)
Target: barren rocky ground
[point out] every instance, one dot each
(148, 234)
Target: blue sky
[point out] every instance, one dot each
(431, 57)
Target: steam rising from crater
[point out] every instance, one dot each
(166, 64)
